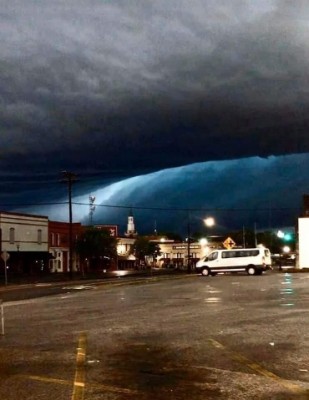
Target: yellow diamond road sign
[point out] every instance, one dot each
(229, 243)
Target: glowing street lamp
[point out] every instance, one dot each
(209, 222)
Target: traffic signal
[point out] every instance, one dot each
(288, 237)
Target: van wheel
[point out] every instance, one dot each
(205, 272)
(251, 270)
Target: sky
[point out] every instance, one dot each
(140, 90)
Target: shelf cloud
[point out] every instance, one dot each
(267, 192)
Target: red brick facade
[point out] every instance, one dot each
(59, 244)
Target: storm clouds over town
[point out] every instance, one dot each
(114, 90)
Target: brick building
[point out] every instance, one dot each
(59, 245)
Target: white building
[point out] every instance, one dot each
(25, 238)
(176, 253)
(303, 243)
(23, 232)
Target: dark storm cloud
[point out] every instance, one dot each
(141, 84)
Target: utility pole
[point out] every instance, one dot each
(69, 178)
(255, 238)
(243, 237)
(155, 228)
(188, 244)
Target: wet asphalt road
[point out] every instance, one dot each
(187, 337)
(41, 288)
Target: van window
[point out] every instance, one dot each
(229, 254)
(249, 253)
(241, 253)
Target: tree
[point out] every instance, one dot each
(144, 247)
(97, 247)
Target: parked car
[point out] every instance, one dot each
(287, 262)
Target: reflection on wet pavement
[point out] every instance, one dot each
(287, 292)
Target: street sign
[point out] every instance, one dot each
(229, 243)
(5, 255)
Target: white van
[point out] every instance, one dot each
(253, 261)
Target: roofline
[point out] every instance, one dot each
(22, 214)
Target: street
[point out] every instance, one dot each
(178, 337)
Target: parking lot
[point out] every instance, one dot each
(223, 337)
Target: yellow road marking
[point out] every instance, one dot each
(79, 380)
(107, 388)
(46, 379)
(258, 368)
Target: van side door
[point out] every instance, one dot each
(228, 259)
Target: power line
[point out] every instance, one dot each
(189, 209)
(34, 204)
(151, 208)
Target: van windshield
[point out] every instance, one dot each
(213, 256)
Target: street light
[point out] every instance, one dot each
(286, 249)
(209, 223)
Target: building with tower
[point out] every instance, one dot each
(131, 232)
